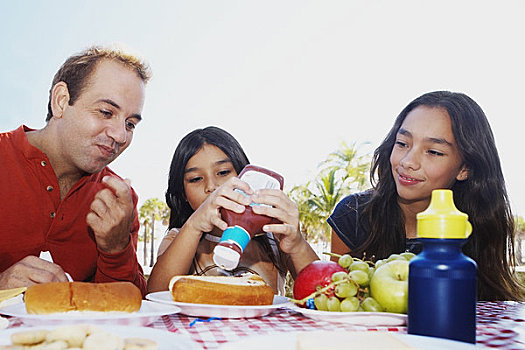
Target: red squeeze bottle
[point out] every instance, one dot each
(242, 227)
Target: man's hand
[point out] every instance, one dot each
(111, 215)
(31, 270)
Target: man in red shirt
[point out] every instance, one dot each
(57, 193)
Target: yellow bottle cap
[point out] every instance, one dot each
(442, 219)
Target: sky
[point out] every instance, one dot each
(290, 79)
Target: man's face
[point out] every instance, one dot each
(99, 126)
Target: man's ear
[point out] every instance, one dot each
(59, 99)
(463, 174)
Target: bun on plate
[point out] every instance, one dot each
(49, 298)
(248, 289)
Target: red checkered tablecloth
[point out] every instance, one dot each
(499, 325)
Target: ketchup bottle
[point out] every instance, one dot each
(242, 227)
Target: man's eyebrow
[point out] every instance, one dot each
(108, 101)
(114, 104)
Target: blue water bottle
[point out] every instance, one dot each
(442, 280)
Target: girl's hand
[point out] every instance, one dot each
(284, 210)
(208, 215)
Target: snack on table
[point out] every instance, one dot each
(49, 298)
(248, 289)
(85, 337)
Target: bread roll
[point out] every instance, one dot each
(49, 298)
(221, 290)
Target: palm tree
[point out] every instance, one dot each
(352, 166)
(343, 172)
(152, 210)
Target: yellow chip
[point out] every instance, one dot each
(11, 293)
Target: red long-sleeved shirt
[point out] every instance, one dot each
(34, 219)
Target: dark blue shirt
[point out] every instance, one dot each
(345, 221)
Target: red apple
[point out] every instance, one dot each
(317, 273)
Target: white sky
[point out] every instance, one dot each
(291, 80)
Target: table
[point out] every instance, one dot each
(499, 325)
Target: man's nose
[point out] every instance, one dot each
(117, 131)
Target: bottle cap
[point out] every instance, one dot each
(226, 258)
(442, 219)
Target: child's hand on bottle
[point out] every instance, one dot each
(284, 210)
(208, 213)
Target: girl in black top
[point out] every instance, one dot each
(441, 140)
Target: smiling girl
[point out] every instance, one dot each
(441, 140)
(202, 180)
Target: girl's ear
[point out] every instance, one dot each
(463, 174)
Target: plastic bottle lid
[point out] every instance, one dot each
(442, 219)
(226, 258)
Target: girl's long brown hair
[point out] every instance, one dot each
(482, 196)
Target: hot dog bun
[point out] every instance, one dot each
(49, 298)
(221, 290)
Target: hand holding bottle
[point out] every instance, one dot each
(208, 215)
(286, 224)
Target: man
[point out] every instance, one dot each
(57, 193)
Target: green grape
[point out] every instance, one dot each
(339, 275)
(371, 271)
(345, 260)
(360, 309)
(371, 305)
(359, 265)
(350, 304)
(320, 302)
(345, 290)
(333, 304)
(360, 277)
(395, 257)
(407, 255)
(380, 262)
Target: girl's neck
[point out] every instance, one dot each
(410, 211)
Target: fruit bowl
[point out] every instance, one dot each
(354, 285)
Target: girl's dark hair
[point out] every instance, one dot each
(187, 148)
(482, 196)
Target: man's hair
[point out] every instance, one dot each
(77, 69)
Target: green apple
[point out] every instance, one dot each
(407, 255)
(389, 286)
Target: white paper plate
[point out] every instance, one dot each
(287, 341)
(223, 311)
(148, 313)
(355, 318)
(166, 340)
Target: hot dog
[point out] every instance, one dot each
(222, 290)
